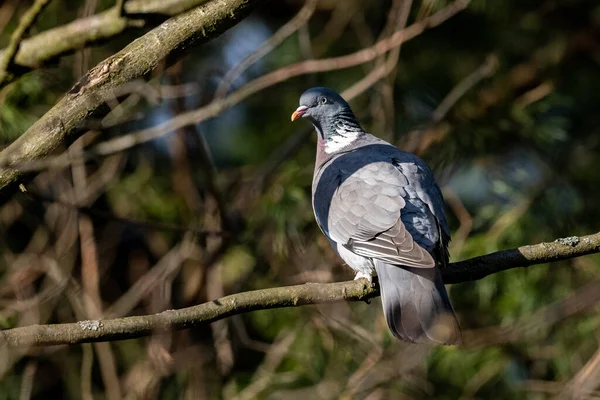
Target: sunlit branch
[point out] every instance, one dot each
(64, 121)
(31, 53)
(290, 296)
(23, 164)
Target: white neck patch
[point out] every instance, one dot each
(341, 140)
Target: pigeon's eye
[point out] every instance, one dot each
(323, 100)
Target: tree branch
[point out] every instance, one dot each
(275, 40)
(61, 123)
(132, 327)
(219, 105)
(290, 296)
(16, 38)
(524, 256)
(48, 45)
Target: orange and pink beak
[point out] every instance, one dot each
(299, 112)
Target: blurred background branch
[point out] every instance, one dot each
(25, 24)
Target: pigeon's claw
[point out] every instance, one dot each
(364, 275)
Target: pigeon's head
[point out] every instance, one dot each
(320, 105)
(331, 116)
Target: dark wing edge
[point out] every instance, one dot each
(394, 246)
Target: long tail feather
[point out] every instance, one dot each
(416, 304)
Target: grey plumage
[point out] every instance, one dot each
(381, 209)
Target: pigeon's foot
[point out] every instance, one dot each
(364, 275)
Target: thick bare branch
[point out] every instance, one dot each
(61, 123)
(290, 296)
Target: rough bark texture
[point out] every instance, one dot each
(170, 38)
(61, 40)
(132, 327)
(290, 296)
(524, 256)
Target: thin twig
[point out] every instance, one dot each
(275, 40)
(120, 6)
(266, 371)
(340, 17)
(167, 266)
(370, 79)
(28, 379)
(87, 363)
(25, 24)
(486, 70)
(7, 10)
(585, 382)
(421, 138)
(106, 215)
(542, 320)
(397, 21)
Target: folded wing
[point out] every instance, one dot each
(364, 216)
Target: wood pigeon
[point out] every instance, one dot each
(381, 209)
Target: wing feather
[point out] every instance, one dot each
(364, 216)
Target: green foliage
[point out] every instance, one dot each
(16, 113)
